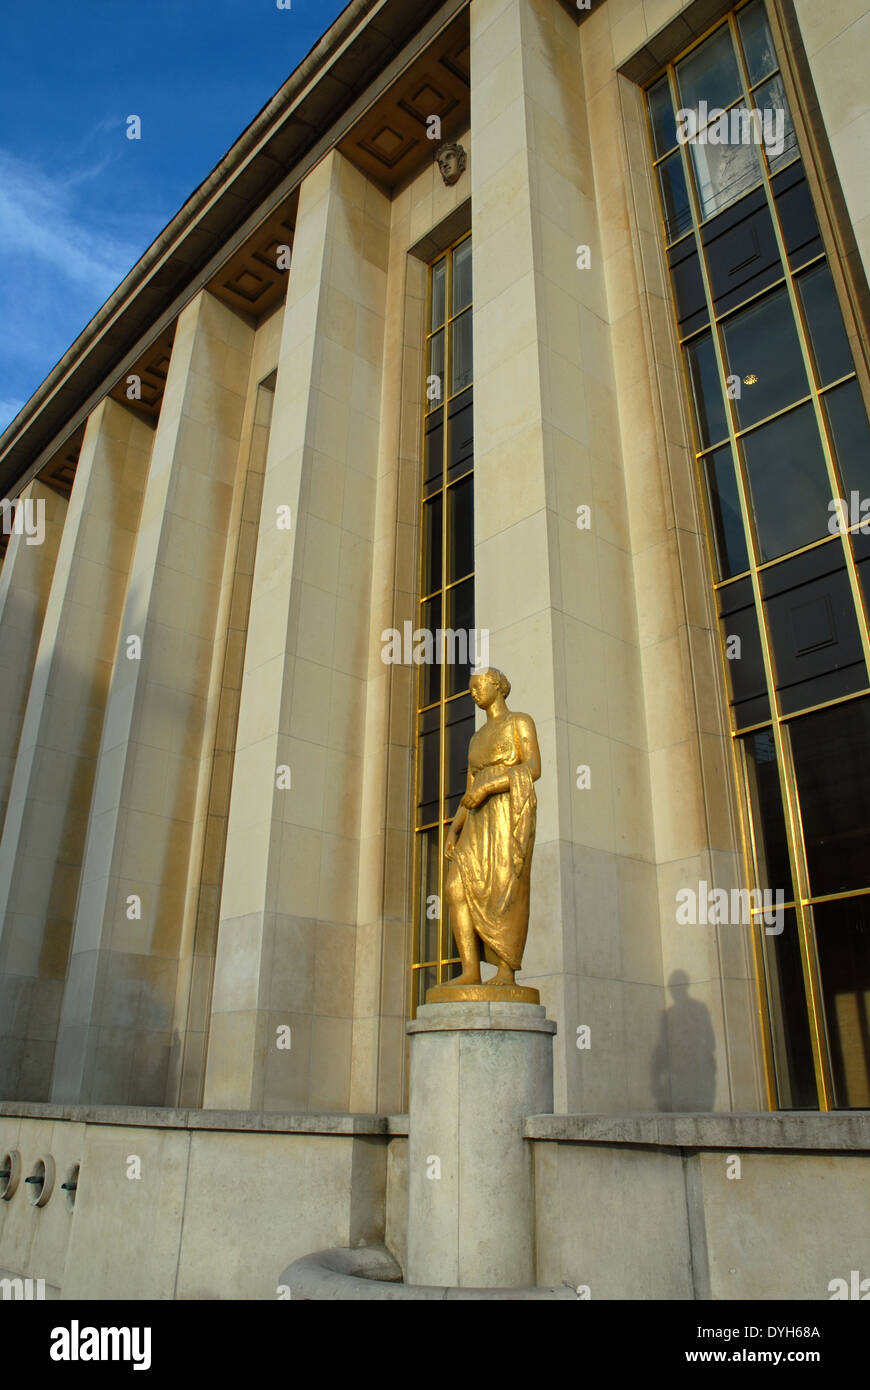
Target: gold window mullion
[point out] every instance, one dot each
(745, 833)
(418, 905)
(809, 953)
(442, 684)
(442, 957)
(835, 482)
(788, 790)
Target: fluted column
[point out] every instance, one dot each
(44, 833)
(286, 940)
(553, 572)
(25, 582)
(116, 1034)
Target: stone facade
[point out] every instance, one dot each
(169, 907)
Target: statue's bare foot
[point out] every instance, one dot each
(466, 978)
(503, 978)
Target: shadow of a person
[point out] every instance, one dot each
(683, 1068)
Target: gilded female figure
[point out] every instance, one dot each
(492, 836)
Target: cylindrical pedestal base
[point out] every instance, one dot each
(476, 1070)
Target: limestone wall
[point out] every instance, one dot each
(756, 1207)
(169, 1209)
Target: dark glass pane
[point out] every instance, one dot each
(462, 276)
(763, 351)
(427, 937)
(434, 468)
(430, 671)
(459, 727)
(795, 207)
(731, 553)
(788, 483)
(674, 196)
(768, 818)
(831, 750)
(427, 777)
(688, 286)
(792, 1049)
(843, 945)
(831, 353)
(428, 719)
(460, 347)
(439, 279)
(435, 373)
(460, 640)
(813, 628)
(724, 169)
(460, 529)
(741, 250)
(847, 421)
(780, 141)
(460, 428)
(425, 978)
(661, 115)
(757, 43)
(432, 513)
(709, 73)
(860, 543)
(743, 652)
(706, 391)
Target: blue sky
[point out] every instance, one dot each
(79, 202)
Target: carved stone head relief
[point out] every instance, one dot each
(452, 160)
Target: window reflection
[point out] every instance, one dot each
(843, 944)
(757, 43)
(780, 141)
(675, 199)
(761, 770)
(709, 73)
(830, 757)
(706, 391)
(788, 483)
(664, 129)
(763, 352)
(792, 1046)
(729, 535)
(723, 173)
(850, 435)
(832, 356)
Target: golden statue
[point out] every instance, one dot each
(489, 845)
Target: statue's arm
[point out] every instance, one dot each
(528, 739)
(458, 821)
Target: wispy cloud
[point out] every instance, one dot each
(67, 239)
(40, 217)
(8, 410)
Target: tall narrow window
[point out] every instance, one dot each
(444, 641)
(781, 432)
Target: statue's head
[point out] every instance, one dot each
(451, 160)
(487, 685)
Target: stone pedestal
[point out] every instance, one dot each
(477, 1069)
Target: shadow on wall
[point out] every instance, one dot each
(683, 1069)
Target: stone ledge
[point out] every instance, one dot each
(806, 1130)
(370, 1273)
(242, 1121)
(481, 1015)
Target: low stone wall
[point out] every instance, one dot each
(187, 1204)
(630, 1206)
(760, 1207)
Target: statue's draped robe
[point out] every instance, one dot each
(494, 852)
